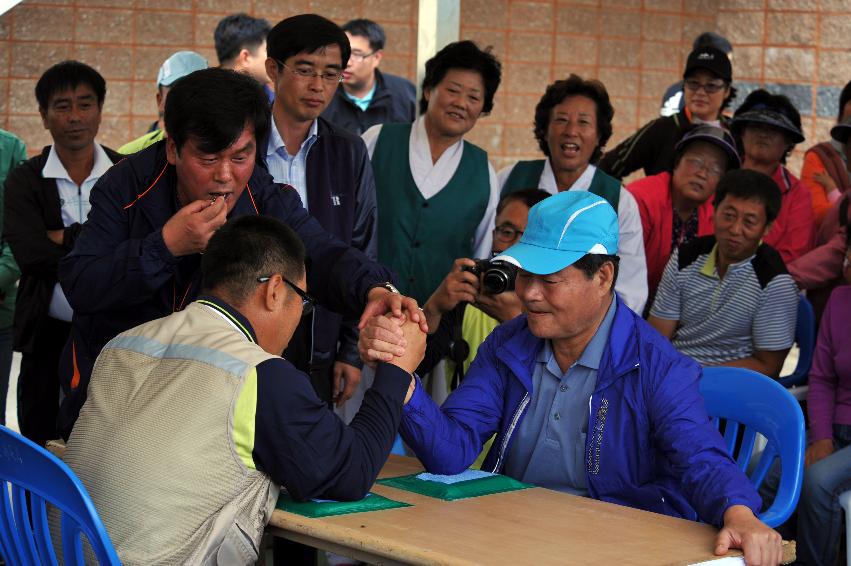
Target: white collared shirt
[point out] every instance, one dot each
(74, 204)
(431, 177)
(74, 199)
(632, 273)
(290, 169)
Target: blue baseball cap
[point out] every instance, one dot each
(561, 230)
(178, 66)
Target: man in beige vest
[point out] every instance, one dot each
(193, 422)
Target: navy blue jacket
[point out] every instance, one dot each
(341, 196)
(650, 443)
(394, 101)
(120, 273)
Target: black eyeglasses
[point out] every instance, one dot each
(308, 74)
(361, 57)
(709, 88)
(507, 233)
(307, 302)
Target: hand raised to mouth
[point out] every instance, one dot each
(191, 227)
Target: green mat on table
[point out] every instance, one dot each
(323, 508)
(472, 483)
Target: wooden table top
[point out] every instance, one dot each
(531, 526)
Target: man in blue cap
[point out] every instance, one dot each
(583, 395)
(175, 67)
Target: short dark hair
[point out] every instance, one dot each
(463, 55)
(368, 29)
(750, 185)
(780, 103)
(246, 248)
(68, 75)
(575, 85)
(589, 264)
(306, 33)
(237, 32)
(214, 106)
(529, 197)
(844, 97)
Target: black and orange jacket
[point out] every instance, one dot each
(121, 274)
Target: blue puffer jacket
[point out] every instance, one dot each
(650, 443)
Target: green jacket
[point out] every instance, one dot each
(12, 152)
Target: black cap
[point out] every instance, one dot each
(841, 131)
(713, 60)
(761, 114)
(718, 137)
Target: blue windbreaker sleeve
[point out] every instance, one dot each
(448, 439)
(710, 478)
(307, 449)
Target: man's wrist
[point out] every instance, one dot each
(387, 286)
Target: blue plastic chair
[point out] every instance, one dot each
(740, 398)
(38, 477)
(805, 337)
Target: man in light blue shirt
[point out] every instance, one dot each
(549, 444)
(330, 170)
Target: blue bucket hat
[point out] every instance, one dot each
(561, 230)
(178, 66)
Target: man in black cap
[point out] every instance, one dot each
(674, 99)
(707, 77)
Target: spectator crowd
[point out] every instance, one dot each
(259, 258)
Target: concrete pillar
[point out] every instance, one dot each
(439, 25)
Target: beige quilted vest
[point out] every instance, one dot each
(154, 443)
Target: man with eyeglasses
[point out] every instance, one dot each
(676, 207)
(708, 91)
(137, 257)
(194, 422)
(673, 100)
(330, 170)
(460, 313)
(367, 96)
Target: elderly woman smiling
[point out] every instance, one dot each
(573, 122)
(676, 208)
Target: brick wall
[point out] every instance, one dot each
(636, 47)
(128, 40)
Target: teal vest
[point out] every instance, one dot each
(527, 175)
(419, 238)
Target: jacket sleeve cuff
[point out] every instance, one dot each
(155, 243)
(391, 380)
(820, 431)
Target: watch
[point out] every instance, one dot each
(390, 287)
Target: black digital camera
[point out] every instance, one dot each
(497, 275)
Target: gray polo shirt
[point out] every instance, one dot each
(549, 446)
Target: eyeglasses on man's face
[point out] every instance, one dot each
(506, 233)
(308, 73)
(699, 163)
(709, 88)
(359, 57)
(307, 302)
